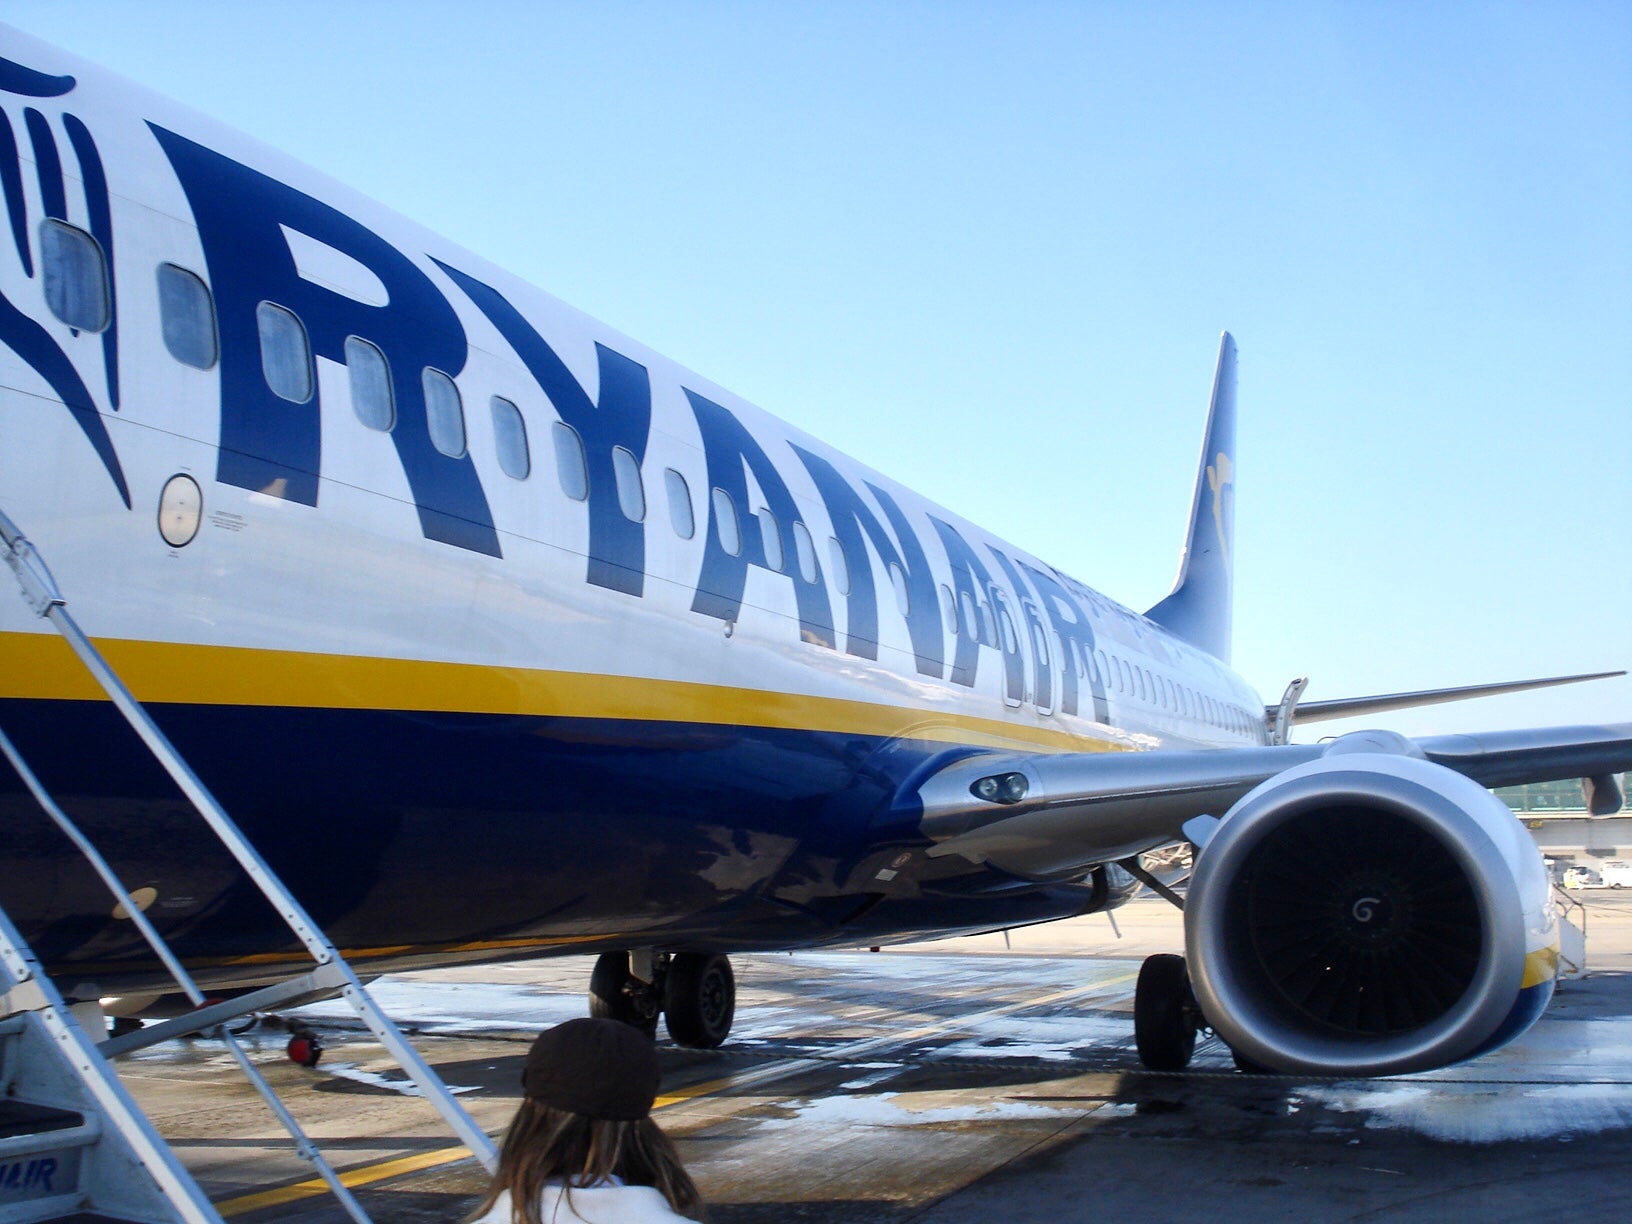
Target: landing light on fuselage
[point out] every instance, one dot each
(1000, 788)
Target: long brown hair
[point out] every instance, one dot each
(545, 1144)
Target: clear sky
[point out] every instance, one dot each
(988, 248)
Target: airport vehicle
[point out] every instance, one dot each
(500, 635)
(1579, 877)
(1616, 875)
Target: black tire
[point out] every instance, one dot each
(612, 994)
(699, 999)
(1164, 1014)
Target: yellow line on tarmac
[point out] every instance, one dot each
(356, 1177)
(772, 1071)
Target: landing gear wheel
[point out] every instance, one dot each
(304, 1049)
(616, 994)
(700, 999)
(1165, 1015)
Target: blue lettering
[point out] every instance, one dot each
(1076, 637)
(617, 547)
(270, 444)
(970, 580)
(1032, 632)
(730, 449)
(34, 1175)
(855, 526)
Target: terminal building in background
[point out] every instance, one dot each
(1556, 815)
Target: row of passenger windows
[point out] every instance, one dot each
(1105, 671)
(76, 290)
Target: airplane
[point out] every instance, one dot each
(501, 635)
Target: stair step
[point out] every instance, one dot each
(39, 1160)
(27, 1118)
(30, 1133)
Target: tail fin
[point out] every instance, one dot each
(1198, 609)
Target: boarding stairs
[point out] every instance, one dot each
(73, 1142)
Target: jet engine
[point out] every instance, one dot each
(1369, 913)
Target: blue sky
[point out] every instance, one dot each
(989, 249)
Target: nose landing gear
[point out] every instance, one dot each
(695, 992)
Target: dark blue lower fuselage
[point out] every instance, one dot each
(415, 838)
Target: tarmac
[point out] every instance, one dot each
(946, 1083)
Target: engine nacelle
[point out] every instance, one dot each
(1369, 914)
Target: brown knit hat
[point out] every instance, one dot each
(598, 1068)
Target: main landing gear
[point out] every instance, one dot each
(1166, 1017)
(694, 992)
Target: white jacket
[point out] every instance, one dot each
(595, 1205)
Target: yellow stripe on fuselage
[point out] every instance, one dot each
(41, 667)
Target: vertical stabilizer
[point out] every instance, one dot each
(1198, 610)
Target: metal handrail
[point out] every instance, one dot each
(18, 968)
(40, 591)
(304, 1147)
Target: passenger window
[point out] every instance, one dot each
(1039, 643)
(903, 598)
(804, 549)
(76, 276)
(839, 565)
(1011, 643)
(988, 631)
(187, 317)
(510, 439)
(286, 356)
(371, 396)
(966, 613)
(949, 609)
(444, 413)
(725, 522)
(681, 516)
(569, 461)
(631, 490)
(770, 538)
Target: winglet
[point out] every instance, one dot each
(1199, 608)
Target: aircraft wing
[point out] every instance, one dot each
(1053, 816)
(1509, 758)
(1382, 703)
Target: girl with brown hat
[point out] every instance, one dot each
(582, 1148)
